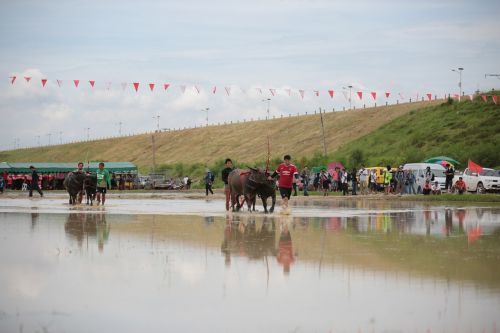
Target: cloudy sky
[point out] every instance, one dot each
(404, 47)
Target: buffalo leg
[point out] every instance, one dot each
(273, 202)
(264, 203)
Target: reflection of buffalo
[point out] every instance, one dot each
(245, 239)
(250, 184)
(80, 225)
(75, 183)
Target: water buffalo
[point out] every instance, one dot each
(75, 183)
(250, 184)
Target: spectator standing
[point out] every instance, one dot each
(344, 181)
(363, 179)
(2, 184)
(209, 179)
(316, 181)
(410, 182)
(450, 174)
(305, 175)
(387, 179)
(224, 176)
(400, 179)
(34, 182)
(325, 182)
(354, 181)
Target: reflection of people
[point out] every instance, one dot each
(285, 249)
(448, 219)
(91, 225)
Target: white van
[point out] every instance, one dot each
(419, 172)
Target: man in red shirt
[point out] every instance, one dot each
(287, 171)
(460, 186)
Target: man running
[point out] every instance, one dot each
(79, 170)
(103, 183)
(34, 182)
(224, 174)
(287, 171)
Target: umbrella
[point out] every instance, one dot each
(438, 159)
(335, 164)
(444, 163)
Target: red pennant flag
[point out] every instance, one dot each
(228, 90)
(59, 82)
(360, 94)
(387, 94)
(301, 92)
(197, 89)
(316, 92)
(183, 89)
(27, 78)
(474, 167)
(289, 91)
(259, 90)
(44, 82)
(12, 79)
(136, 86)
(495, 99)
(214, 90)
(273, 91)
(124, 85)
(166, 86)
(401, 95)
(374, 95)
(331, 92)
(485, 98)
(76, 82)
(151, 86)
(429, 97)
(92, 82)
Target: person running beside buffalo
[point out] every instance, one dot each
(224, 175)
(287, 172)
(34, 182)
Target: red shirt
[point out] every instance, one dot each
(286, 175)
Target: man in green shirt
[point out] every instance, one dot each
(103, 183)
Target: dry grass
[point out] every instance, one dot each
(245, 142)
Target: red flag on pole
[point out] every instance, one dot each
(331, 92)
(136, 86)
(92, 82)
(59, 83)
(387, 94)
(316, 92)
(374, 95)
(151, 86)
(273, 91)
(485, 98)
(495, 99)
(228, 90)
(76, 82)
(214, 90)
(12, 79)
(474, 167)
(27, 78)
(44, 82)
(166, 86)
(429, 97)
(301, 92)
(360, 94)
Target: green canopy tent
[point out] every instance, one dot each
(317, 169)
(114, 167)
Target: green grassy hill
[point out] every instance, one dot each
(465, 130)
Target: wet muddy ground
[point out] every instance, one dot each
(179, 264)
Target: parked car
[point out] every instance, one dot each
(419, 172)
(488, 180)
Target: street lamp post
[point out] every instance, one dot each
(268, 100)
(88, 133)
(49, 135)
(119, 127)
(38, 140)
(206, 110)
(157, 122)
(350, 99)
(459, 71)
(60, 137)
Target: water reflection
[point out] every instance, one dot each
(82, 227)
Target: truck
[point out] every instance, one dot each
(488, 180)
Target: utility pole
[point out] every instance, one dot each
(206, 110)
(350, 99)
(88, 133)
(157, 122)
(49, 135)
(38, 140)
(60, 137)
(459, 71)
(268, 100)
(322, 132)
(119, 128)
(154, 152)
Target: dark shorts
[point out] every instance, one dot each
(285, 192)
(101, 190)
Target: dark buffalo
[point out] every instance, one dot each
(75, 183)
(250, 184)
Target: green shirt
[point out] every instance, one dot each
(103, 178)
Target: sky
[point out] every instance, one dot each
(407, 48)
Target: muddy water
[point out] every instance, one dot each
(185, 266)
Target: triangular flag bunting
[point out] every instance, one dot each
(331, 92)
(289, 91)
(44, 82)
(214, 90)
(259, 90)
(152, 86)
(92, 82)
(272, 91)
(429, 97)
(401, 95)
(59, 82)
(12, 79)
(374, 95)
(197, 89)
(27, 78)
(228, 90)
(136, 86)
(124, 85)
(360, 94)
(301, 92)
(474, 167)
(316, 92)
(183, 89)
(346, 95)
(166, 86)
(495, 99)
(485, 98)
(76, 82)
(387, 94)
